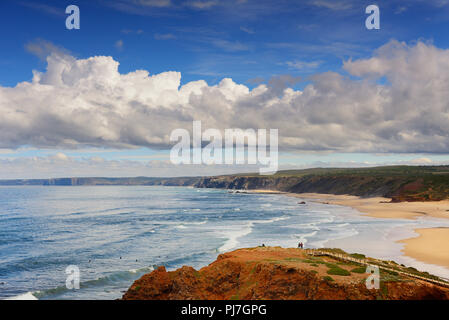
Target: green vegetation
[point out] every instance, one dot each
(358, 256)
(336, 270)
(401, 183)
(313, 261)
(384, 289)
(293, 259)
(328, 279)
(334, 250)
(359, 270)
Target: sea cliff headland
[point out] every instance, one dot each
(275, 273)
(399, 192)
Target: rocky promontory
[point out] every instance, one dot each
(274, 273)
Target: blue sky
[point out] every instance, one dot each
(248, 41)
(244, 40)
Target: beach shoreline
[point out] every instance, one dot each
(428, 247)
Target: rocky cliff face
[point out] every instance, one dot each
(399, 187)
(272, 274)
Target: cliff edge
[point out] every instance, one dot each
(273, 273)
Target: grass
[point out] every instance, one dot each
(328, 279)
(313, 261)
(359, 270)
(334, 250)
(293, 259)
(336, 270)
(339, 272)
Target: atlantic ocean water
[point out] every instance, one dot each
(115, 234)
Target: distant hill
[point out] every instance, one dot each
(400, 183)
(101, 181)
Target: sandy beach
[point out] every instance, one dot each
(429, 247)
(379, 207)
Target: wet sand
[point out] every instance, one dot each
(431, 246)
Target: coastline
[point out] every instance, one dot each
(379, 207)
(426, 248)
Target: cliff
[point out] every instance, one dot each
(269, 273)
(400, 183)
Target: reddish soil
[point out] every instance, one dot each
(272, 274)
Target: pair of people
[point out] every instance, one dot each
(301, 245)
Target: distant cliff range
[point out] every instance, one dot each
(400, 183)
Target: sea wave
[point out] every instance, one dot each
(233, 236)
(110, 279)
(24, 296)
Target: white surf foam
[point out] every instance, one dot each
(234, 235)
(24, 296)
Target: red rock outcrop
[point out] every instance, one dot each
(272, 274)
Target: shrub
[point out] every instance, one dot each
(359, 270)
(358, 255)
(338, 272)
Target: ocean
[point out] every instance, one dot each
(115, 234)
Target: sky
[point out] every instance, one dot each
(103, 100)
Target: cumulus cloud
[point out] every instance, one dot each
(395, 101)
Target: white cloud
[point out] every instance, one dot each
(303, 65)
(119, 44)
(400, 10)
(231, 46)
(202, 4)
(57, 166)
(60, 157)
(153, 3)
(335, 5)
(165, 36)
(247, 30)
(426, 161)
(400, 103)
